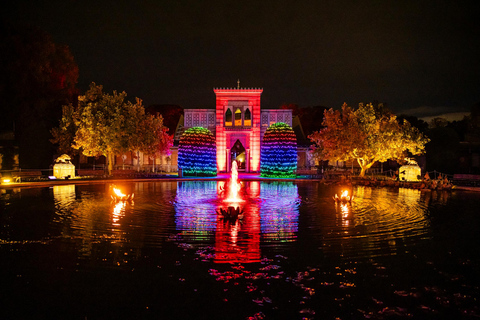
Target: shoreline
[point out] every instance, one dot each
(219, 177)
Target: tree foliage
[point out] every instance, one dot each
(171, 114)
(37, 77)
(367, 135)
(310, 117)
(107, 124)
(443, 150)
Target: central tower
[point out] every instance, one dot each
(237, 128)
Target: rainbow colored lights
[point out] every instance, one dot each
(279, 211)
(278, 158)
(197, 153)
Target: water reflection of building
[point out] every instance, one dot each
(279, 211)
(195, 209)
(238, 242)
(64, 197)
(270, 211)
(64, 194)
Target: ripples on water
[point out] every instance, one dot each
(296, 254)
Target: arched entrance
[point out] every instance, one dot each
(237, 152)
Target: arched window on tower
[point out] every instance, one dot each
(228, 118)
(238, 117)
(247, 121)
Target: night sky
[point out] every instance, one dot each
(419, 57)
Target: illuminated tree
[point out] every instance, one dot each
(64, 134)
(108, 125)
(151, 137)
(279, 152)
(368, 134)
(197, 153)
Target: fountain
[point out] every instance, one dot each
(233, 197)
(234, 186)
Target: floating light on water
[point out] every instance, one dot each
(344, 197)
(118, 195)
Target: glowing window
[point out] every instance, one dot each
(228, 118)
(247, 121)
(238, 117)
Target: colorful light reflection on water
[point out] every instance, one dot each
(270, 209)
(70, 252)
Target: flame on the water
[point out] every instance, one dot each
(344, 197)
(119, 193)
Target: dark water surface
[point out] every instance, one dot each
(70, 252)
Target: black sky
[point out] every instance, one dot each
(416, 56)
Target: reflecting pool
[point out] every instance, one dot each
(73, 252)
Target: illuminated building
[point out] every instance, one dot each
(238, 124)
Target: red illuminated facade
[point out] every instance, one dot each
(238, 127)
(238, 124)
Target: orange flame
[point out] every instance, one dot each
(119, 193)
(344, 197)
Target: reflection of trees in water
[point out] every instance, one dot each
(379, 221)
(436, 197)
(101, 229)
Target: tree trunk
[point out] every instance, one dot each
(109, 163)
(364, 165)
(138, 161)
(362, 172)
